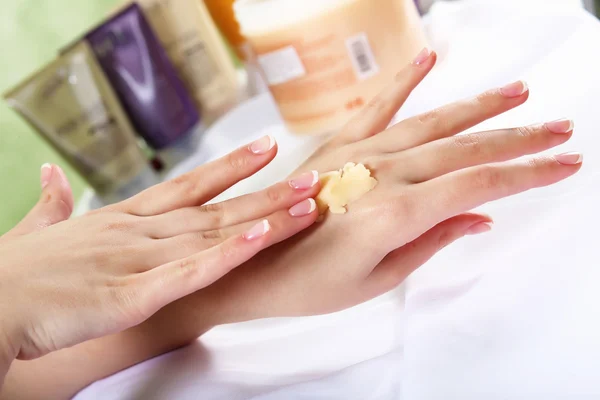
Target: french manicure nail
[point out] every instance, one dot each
(422, 56)
(560, 125)
(572, 158)
(480, 227)
(257, 231)
(46, 174)
(514, 89)
(262, 145)
(303, 208)
(305, 181)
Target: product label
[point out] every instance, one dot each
(282, 66)
(362, 56)
(199, 69)
(322, 70)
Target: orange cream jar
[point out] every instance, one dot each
(325, 59)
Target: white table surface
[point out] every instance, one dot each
(508, 315)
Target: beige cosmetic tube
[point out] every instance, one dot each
(199, 53)
(72, 106)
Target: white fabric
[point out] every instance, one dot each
(512, 314)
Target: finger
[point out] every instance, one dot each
(378, 114)
(54, 205)
(284, 224)
(451, 119)
(399, 264)
(236, 211)
(466, 189)
(204, 183)
(447, 155)
(175, 280)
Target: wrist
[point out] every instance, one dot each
(9, 345)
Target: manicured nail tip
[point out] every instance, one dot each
(271, 142)
(304, 208)
(262, 145)
(257, 231)
(313, 205)
(305, 181)
(422, 56)
(315, 175)
(514, 89)
(560, 125)
(479, 228)
(572, 158)
(45, 174)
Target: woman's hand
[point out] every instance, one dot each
(113, 268)
(428, 179)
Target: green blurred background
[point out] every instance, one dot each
(31, 31)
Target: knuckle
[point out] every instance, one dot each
(536, 162)
(378, 105)
(227, 251)
(526, 132)
(236, 161)
(274, 195)
(186, 267)
(46, 198)
(488, 177)
(484, 98)
(190, 269)
(432, 119)
(185, 185)
(182, 183)
(471, 144)
(214, 211)
(211, 235)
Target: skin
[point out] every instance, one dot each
(113, 268)
(429, 179)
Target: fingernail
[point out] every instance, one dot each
(480, 227)
(572, 158)
(258, 230)
(560, 125)
(305, 181)
(46, 174)
(262, 145)
(514, 89)
(304, 208)
(422, 56)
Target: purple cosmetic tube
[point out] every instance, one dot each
(155, 98)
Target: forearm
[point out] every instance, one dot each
(60, 375)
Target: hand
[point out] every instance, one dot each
(428, 178)
(113, 268)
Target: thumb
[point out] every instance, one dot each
(400, 263)
(54, 205)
